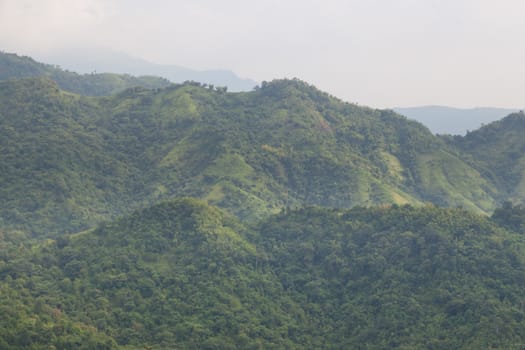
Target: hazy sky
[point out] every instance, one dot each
(381, 53)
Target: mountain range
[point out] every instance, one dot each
(142, 214)
(70, 160)
(13, 66)
(89, 60)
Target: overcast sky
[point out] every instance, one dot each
(381, 53)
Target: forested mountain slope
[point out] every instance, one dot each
(499, 149)
(70, 161)
(186, 275)
(13, 66)
(253, 261)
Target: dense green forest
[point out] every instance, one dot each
(183, 274)
(138, 216)
(69, 161)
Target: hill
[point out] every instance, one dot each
(13, 66)
(252, 261)
(454, 121)
(70, 161)
(182, 274)
(499, 150)
(178, 275)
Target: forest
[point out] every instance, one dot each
(70, 161)
(139, 214)
(183, 274)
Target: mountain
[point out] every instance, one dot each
(454, 121)
(70, 161)
(13, 66)
(499, 148)
(104, 60)
(189, 217)
(183, 274)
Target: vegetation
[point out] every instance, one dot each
(498, 149)
(510, 216)
(402, 277)
(285, 263)
(186, 275)
(13, 66)
(69, 161)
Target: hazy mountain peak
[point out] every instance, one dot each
(89, 60)
(454, 121)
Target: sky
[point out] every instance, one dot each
(380, 53)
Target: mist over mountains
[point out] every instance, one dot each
(454, 121)
(99, 60)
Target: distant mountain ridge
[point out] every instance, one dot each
(13, 66)
(454, 121)
(104, 60)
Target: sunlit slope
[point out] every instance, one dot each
(70, 161)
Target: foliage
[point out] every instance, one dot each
(402, 277)
(497, 149)
(510, 216)
(69, 162)
(178, 275)
(183, 274)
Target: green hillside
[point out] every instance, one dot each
(178, 275)
(136, 214)
(183, 274)
(13, 66)
(69, 161)
(499, 148)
